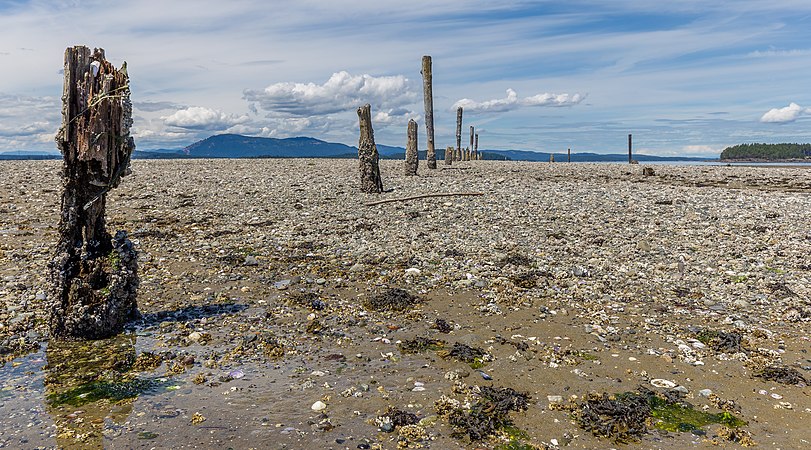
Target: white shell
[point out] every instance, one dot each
(662, 383)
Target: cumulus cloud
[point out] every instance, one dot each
(200, 118)
(788, 114)
(155, 106)
(343, 91)
(512, 101)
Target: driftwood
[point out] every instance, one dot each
(94, 276)
(428, 99)
(458, 155)
(368, 158)
(403, 199)
(411, 157)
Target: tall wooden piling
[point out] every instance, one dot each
(569, 155)
(471, 144)
(368, 158)
(428, 99)
(94, 276)
(458, 155)
(476, 147)
(412, 157)
(448, 156)
(630, 146)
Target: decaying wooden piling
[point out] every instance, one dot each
(630, 146)
(476, 147)
(458, 154)
(568, 155)
(428, 99)
(368, 158)
(412, 157)
(94, 276)
(472, 157)
(449, 156)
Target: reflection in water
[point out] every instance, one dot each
(88, 388)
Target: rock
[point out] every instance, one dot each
(250, 260)
(195, 336)
(643, 245)
(705, 392)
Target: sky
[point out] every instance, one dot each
(686, 77)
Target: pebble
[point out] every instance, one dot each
(705, 392)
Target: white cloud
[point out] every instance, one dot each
(200, 118)
(787, 114)
(341, 92)
(512, 101)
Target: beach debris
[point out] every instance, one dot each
(370, 181)
(395, 417)
(442, 326)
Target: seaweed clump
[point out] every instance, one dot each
(476, 357)
(621, 417)
(309, 300)
(395, 417)
(626, 417)
(489, 415)
(721, 341)
(782, 375)
(442, 326)
(394, 299)
(421, 344)
(515, 259)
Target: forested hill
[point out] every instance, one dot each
(767, 151)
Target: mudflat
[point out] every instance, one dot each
(568, 306)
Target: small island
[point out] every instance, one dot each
(767, 152)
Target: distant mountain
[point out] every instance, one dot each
(237, 146)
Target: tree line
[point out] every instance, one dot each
(767, 151)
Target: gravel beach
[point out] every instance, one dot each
(279, 310)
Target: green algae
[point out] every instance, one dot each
(113, 390)
(677, 416)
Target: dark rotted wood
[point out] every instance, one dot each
(94, 276)
(458, 154)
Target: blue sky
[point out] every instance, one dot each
(686, 77)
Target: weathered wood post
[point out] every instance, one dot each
(471, 157)
(476, 147)
(569, 155)
(412, 159)
(94, 276)
(551, 157)
(449, 156)
(428, 99)
(458, 155)
(630, 156)
(368, 158)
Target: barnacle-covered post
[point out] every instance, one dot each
(94, 276)
(370, 181)
(458, 155)
(412, 157)
(448, 156)
(428, 99)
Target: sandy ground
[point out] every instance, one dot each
(572, 279)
